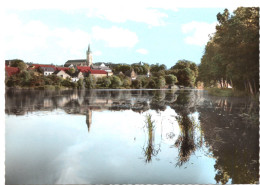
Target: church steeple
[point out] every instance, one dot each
(89, 57)
(89, 51)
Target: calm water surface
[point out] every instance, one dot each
(130, 136)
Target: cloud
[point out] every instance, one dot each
(115, 36)
(119, 14)
(29, 40)
(150, 12)
(73, 40)
(97, 53)
(24, 36)
(198, 32)
(35, 34)
(142, 51)
(113, 4)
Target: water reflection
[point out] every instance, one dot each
(230, 131)
(150, 150)
(185, 141)
(226, 128)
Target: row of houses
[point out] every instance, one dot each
(63, 72)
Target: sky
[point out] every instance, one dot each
(118, 32)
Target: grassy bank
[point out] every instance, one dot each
(46, 87)
(225, 92)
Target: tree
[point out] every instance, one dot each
(115, 82)
(24, 77)
(152, 84)
(161, 82)
(107, 82)
(127, 82)
(157, 67)
(19, 63)
(71, 71)
(171, 79)
(232, 54)
(137, 84)
(80, 83)
(90, 82)
(186, 72)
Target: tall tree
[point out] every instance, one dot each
(232, 54)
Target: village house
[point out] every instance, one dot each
(83, 69)
(76, 76)
(104, 68)
(98, 73)
(61, 73)
(131, 74)
(43, 68)
(47, 70)
(86, 71)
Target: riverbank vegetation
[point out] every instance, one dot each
(231, 56)
(226, 92)
(183, 73)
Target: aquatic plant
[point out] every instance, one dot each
(150, 150)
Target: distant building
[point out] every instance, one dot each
(83, 69)
(37, 66)
(104, 68)
(131, 74)
(47, 70)
(62, 74)
(86, 66)
(89, 57)
(76, 76)
(79, 62)
(98, 73)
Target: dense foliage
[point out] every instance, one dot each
(186, 72)
(232, 54)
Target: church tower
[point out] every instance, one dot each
(89, 57)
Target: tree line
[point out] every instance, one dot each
(183, 73)
(231, 55)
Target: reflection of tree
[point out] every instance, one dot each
(75, 101)
(150, 150)
(229, 125)
(158, 101)
(185, 142)
(233, 139)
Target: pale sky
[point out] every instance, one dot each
(118, 31)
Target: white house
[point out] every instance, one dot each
(47, 70)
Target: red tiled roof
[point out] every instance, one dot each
(11, 70)
(36, 66)
(84, 68)
(92, 71)
(62, 68)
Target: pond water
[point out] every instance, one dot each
(130, 136)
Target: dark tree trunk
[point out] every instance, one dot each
(250, 88)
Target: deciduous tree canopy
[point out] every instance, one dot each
(232, 54)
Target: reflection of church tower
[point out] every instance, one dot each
(89, 118)
(89, 57)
